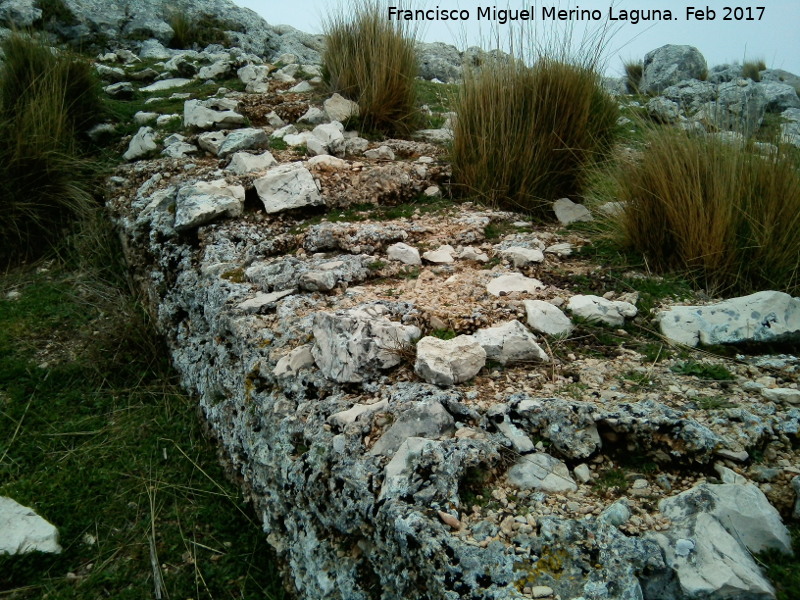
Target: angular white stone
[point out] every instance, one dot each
(197, 114)
(243, 139)
(380, 153)
(441, 256)
(357, 412)
(165, 84)
(597, 309)
(404, 253)
(340, 108)
(261, 299)
(522, 257)
(211, 141)
(516, 282)
(23, 531)
(202, 202)
(509, 343)
(447, 362)
(243, 163)
(543, 472)
(287, 187)
(782, 395)
(298, 359)
(142, 144)
(255, 78)
(546, 318)
(568, 212)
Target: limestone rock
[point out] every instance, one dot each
(664, 110)
(166, 84)
(404, 253)
(262, 301)
(522, 257)
(568, 212)
(782, 395)
(340, 108)
(546, 318)
(197, 113)
(243, 163)
(23, 531)
(595, 308)
(516, 282)
(22, 13)
(217, 70)
(441, 256)
(427, 420)
(359, 411)
(286, 187)
(543, 472)
(255, 78)
(142, 144)
(349, 345)
(380, 153)
(121, 91)
(243, 139)
(779, 96)
(211, 141)
(510, 343)
(447, 362)
(766, 316)
(202, 202)
(669, 65)
(399, 470)
(297, 360)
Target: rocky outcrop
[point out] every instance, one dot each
(23, 531)
(669, 65)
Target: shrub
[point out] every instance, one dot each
(525, 136)
(725, 214)
(752, 69)
(45, 99)
(633, 73)
(372, 60)
(188, 32)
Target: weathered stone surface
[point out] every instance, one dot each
(427, 419)
(243, 163)
(669, 65)
(689, 96)
(516, 282)
(287, 187)
(23, 531)
(595, 308)
(546, 318)
(740, 106)
(568, 212)
(357, 412)
(664, 110)
(522, 257)
(380, 153)
(202, 202)
(340, 108)
(510, 343)
(142, 144)
(779, 96)
(404, 253)
(543, 472)
(447, 362)
(22, 13)
(255, 78)
(439, 61)
(441, 256)
(197, 114)
(351, 345)
(211, 141)
(783, 395)
(262, 301)
(121, 91)
(165, 84)
(243, 139)
(761, 317)
(297, 360)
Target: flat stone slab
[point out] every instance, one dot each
(23, 531)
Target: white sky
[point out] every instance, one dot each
(775, 38)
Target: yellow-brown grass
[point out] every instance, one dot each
(524, 136)
(372, 60)
(718, 210)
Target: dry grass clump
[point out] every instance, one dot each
(372, 60)
(46, 100)
(752, 69)
(727, 215)
(633, 72)
(198, 32)
(525, 135)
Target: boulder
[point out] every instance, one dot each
(243, 139)
(568, 212)
(351, 345)
(439, 61)
(510, 342)
(766, 317)
(427, 419)
(447, 362)
(142, 144)
(546, 318)
(541, 472)
(404, 253)
(779, 96)
(740, 107)
(597, 309)
(21, 13)
(197, 113)
(287, 187)
(689, 95)
(340, 108)
(243, 163)
(202, 202)
(255, 78)
(669, 65)
(23, 531)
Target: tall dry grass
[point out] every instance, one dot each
(372, 60)
(634, 70)
(725, 214)
(752, 69)
(526, 135)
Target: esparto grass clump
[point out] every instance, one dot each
(527, 135)
(715, 209)
(372, 61)
(47, 102)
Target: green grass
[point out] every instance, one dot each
(96, 437)
(526, 136)
(613, 478)
(713, 403)
(373, 61)
(784, 570)
(703, 371)
(719, 213)
(444, 334)
(198, 31)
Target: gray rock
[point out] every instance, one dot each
(243, 139)
(780, 76)
(380, 153)
(202, 202)
(314, 116)
(509, 343)
(546, 318)
(166, 84)
(197, 113)
(597, 309)
(761, 317)
(340, 109)
(404, 253)
(439, 61)
(669, 65)
(663, 110)
(142, 144)
(179, 150)
(243, 163)
(443, 255)
(779, 96)
(211, 141)
(689, 95)
(357, 412)
(568, 212)
(516, 282)
(218, 70)
(294, 362)
(617, 514)
(113, 74)
(23, 531)
(447, 362)
(522, 257)
(351, 345)
(740, 106)
(154, 49)
(262, 301)
(143, 118)
(582, 473)
(723, 73)
(20, 13)
(120, 91)
(425, 420)
(543, 472)
(782, 395)
(287, 187)
(255, 78)
(400, 469)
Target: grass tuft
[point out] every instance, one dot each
(752, 69)
(525, 136)
(633, 72)
(716, 210)
(373, 61)
(190, 32)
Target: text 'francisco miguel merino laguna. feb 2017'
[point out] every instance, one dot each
(552, 13)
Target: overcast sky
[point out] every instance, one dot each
(775, 38)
